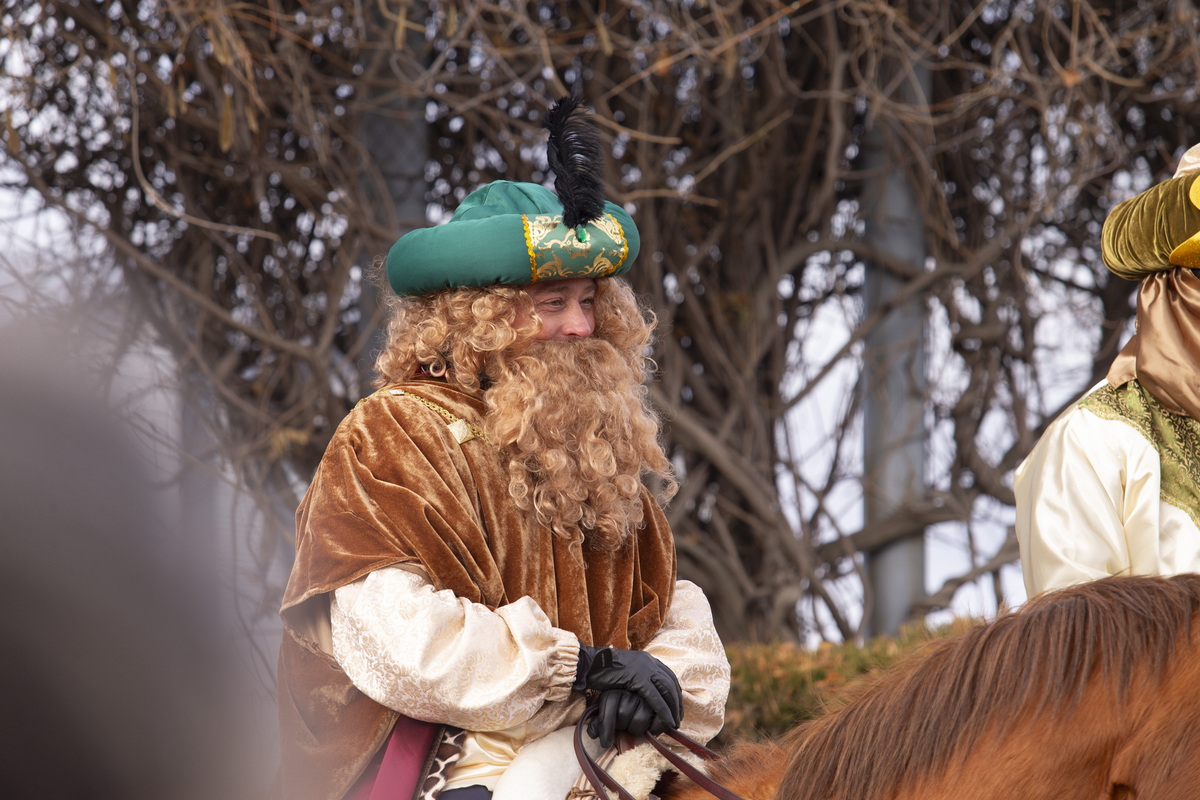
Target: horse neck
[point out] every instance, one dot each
(752, 771)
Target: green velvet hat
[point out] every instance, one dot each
(518, 233)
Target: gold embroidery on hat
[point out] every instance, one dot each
(529, 248)
(609, 224)
(556, 252)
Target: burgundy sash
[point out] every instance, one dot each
(396, 775)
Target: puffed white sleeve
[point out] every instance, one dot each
(1088, 503)
(436, 657)
(688, 643)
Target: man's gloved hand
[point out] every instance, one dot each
(621, 710)
(636, 673)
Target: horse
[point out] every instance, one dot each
(1092, 691)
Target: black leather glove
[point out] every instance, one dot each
(621, 710)
(636, 672)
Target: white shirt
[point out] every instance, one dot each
(1089, 504)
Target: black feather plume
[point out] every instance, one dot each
(575, 159)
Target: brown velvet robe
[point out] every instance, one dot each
(396, 487)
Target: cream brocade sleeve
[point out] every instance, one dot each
(688, 643)
(1089, 505)
(434, 656)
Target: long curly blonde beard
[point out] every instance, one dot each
(573, 419)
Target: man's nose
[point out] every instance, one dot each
(577, 322)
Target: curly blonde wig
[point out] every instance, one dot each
(465, 328)
(572, 417)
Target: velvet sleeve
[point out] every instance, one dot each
(1141, 234)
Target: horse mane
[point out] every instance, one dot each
(938, 704)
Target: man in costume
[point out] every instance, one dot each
(478, 551)
(1113, 486)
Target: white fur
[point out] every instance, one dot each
(637, 770)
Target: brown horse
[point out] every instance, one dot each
(1088, 692)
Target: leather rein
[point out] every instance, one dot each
(599, 779)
